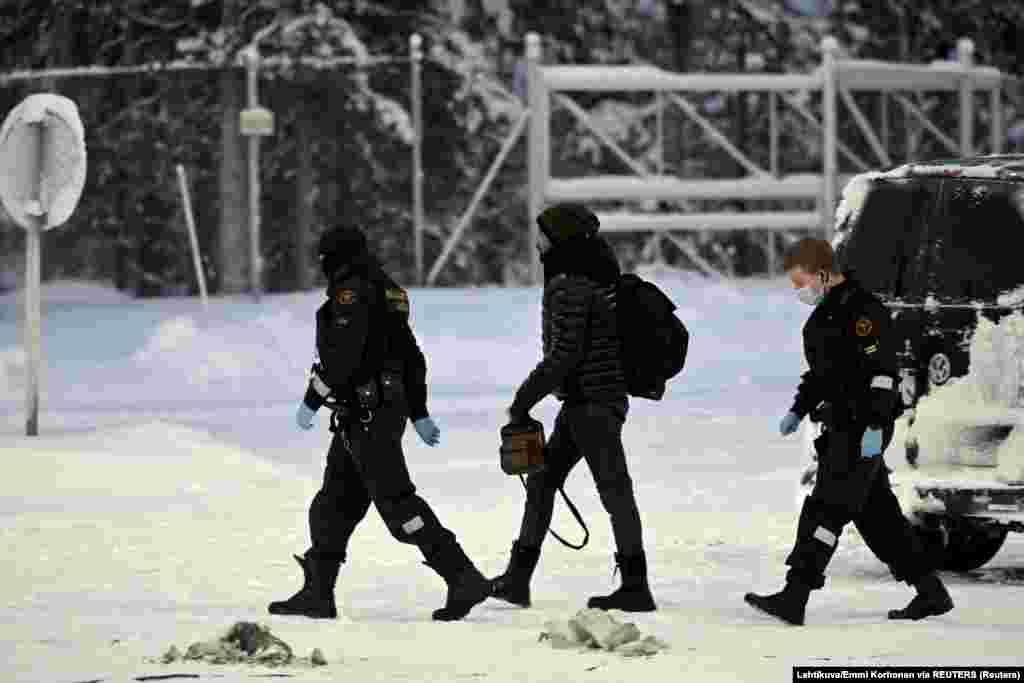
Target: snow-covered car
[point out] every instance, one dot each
(942, 244)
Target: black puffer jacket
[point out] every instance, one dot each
(582, 356)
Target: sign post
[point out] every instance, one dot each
(254, 121)
(42, 173)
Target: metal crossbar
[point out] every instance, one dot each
(865, 127)
(914, 111)
(813, 120)
(716, 135)
(492, 172)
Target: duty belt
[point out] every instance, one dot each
(364, 400)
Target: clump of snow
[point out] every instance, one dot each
(983, 171)
(244, 643)
(395, 118)
(852, 201)
(949, 417)
(623, 122)
(596, 629)
(1011, 298)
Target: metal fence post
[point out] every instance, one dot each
(252, 64)
(965, 53)
(998, 122)
(830, 51)
(416, 54)
(33, 324)
(538, 168)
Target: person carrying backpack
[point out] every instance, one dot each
(582, 366)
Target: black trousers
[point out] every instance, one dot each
(592, 432)
(850, 488)
(367, 465)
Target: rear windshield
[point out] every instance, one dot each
(886, 240)
(977, 242)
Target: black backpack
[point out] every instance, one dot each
(654, 340)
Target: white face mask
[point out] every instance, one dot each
(809, 295)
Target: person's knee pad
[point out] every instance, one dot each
(410, 520)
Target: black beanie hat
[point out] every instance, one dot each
(563, 222)
(340, 246)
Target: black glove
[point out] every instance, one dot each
(882, 406)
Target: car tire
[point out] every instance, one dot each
(963, 545)
(940, 369)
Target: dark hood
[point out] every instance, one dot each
(590, 257)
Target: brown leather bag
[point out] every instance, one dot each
(522, 448)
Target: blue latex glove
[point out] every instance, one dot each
(428, 431)
(789, 423)
(871, 444)
(304, 416)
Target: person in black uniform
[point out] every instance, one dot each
(372, 374)
(851, 389)
(582, 366)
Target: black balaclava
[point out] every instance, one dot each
(342, 250)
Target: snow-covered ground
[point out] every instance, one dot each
(168, 490)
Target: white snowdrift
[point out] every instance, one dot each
(66, 292)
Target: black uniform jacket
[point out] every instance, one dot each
(851, 352)
(361, 330)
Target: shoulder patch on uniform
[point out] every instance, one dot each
(863, 327)
(346, 297)
(397, 299)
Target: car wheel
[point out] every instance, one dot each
(963, 544)
(940, 367)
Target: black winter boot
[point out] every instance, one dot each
(316, 597)
(931, 600)
(514, 585)
(789, 604)
(467, 587)
(634, 595)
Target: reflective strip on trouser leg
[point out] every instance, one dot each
(413, 525)
(410, 520)
(825, 536)
(815, 544)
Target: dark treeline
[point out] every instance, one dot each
(341, 149)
